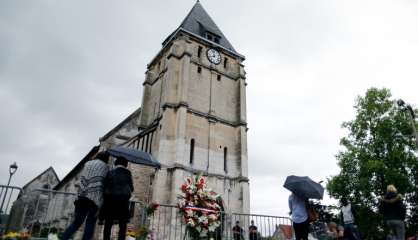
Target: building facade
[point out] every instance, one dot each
(193, 116)
(30, 206)
(192, 120)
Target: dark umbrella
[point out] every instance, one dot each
(134, 156)
(304, 187)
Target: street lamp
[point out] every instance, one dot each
(407, 107)
(12, 170)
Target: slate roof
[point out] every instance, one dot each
(199, 22)
(121, 124)
(35, 178)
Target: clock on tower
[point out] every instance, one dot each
(194, 101)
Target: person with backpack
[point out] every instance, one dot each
(394, 212)
(348, 213)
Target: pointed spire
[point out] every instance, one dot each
(199, 22)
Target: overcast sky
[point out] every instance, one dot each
(70, 71)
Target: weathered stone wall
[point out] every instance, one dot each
(142, 178)
(61, 207)
(202, 107)
(31, 205)
(208, 106)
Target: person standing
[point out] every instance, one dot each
(252, 231)
(394, 212)
(299, 212)
(348, 214)
(237, 231)
(118, 188)
(90, 196)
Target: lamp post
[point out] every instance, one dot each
(407, 107)
(12, 170)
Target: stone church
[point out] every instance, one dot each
(193, 115)
(192, 120)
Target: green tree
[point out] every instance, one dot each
(380, 149)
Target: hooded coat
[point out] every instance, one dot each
(392, 207)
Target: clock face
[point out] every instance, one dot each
(214, 56)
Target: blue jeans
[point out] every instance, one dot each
(85, 210)
(353, 230)
(397, 227)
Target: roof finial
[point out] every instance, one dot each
(197, 1)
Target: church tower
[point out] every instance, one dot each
(193, 114)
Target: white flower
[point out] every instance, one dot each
(203, 232)
(182, 203)
(212, 228)
(203, 219)
(189, 213)
(190, 222)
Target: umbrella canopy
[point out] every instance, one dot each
(304, 187)
(134, 156)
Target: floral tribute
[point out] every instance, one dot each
(199, 207)
(151, 208)
(16, 235)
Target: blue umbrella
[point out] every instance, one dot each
(304, 187)
(134, 156)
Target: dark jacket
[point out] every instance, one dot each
(392, 207)
(118, 187)
(118, 182)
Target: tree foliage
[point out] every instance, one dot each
(380, 149)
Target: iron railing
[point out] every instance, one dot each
(167, 223)
(8, 194)
(48, 211)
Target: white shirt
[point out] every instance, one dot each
(347, 214)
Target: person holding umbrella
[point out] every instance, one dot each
(297, 206)
(118, 187)
(302, 188)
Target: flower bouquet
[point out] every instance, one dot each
(16, 236)
(199, 208)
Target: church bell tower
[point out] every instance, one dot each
(194, 102)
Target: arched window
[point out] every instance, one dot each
(191, 151)
(225, 159)
(199, 51)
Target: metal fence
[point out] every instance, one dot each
(43, 211)
(40, 210)
(54, 210)
(8, 195)
(167, 223)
